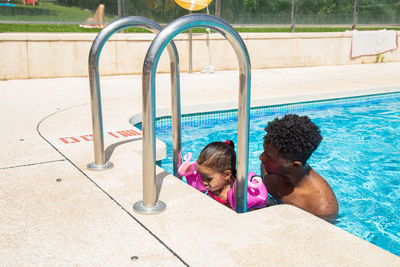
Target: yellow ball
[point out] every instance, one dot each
(193, 5)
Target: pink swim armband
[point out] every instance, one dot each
(189, 170)
(257, 193)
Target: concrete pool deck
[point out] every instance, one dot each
(54, 211)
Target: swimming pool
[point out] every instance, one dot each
(358, 155)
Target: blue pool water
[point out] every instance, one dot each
(359, 156)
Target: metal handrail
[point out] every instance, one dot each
(95, 96)
(150, 204)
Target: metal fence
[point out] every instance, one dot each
(246, 12)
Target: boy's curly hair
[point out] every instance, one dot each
(295, 136)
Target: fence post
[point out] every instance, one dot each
(121, 8)
(293, 16)
(218, 8)
(121, 11)
(355, 14)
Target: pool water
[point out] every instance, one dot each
(359, 156)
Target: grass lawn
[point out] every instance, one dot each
(311, 29)
(53, 28)
(75, 28)
(49, 12)
(46, 11)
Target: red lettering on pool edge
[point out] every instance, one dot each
(64, 139)
(127, 133)
(74, 140)
(113, 135)
(84, 137)
(89, 137)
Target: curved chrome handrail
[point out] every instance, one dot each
(95, 95)
(149, 71)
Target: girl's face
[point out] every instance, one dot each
(214, 181)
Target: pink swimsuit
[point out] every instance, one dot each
(217, 198)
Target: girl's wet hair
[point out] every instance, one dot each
(219, 156)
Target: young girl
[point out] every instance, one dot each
(215, 173)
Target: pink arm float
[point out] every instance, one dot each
(257, 193)
(189, 170)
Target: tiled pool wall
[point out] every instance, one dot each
(207, 118)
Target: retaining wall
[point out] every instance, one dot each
(49, 55)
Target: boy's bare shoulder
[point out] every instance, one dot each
(321, 199)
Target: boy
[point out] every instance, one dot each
(288, 144)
